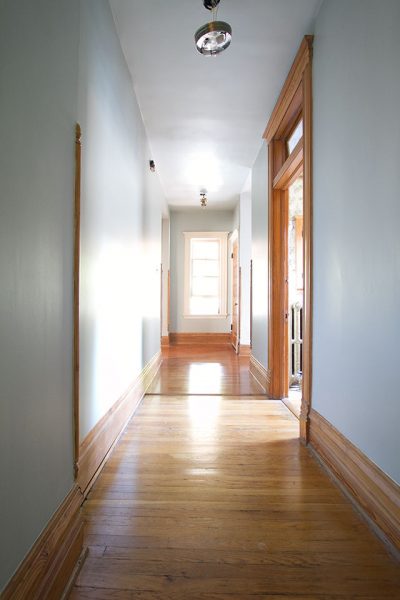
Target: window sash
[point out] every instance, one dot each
(205, 266)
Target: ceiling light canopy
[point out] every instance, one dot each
(214, 37)
(203, 199)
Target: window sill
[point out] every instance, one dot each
(223, 316)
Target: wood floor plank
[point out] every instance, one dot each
(210, 497)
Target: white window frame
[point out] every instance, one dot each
(222, 237)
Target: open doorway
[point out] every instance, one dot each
(295, 300)
(289, 138)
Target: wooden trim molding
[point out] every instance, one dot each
(97, 445)
(307, 253)
(294, 103)
(260, 374)
(290, 88)
(46, 569)
(289, 171)
(370, 488)
(200, 338)
(251, 303)
(244, 349)
(77, 234)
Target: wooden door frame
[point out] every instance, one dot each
(295, 101)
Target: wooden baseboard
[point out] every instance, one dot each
(260, 373)
(370, 488)
(200, 339)
(97, 445)
(244, 350)
(165, 340)
(46, 569)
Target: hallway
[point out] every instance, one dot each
(212, 496)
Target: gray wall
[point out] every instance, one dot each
(356, 224)
(194, 220)
(38, 71)
(121, 223)
(259, 228)
(46, 86)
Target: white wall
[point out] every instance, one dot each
(356, 224)
(38, 72)
(245, 258)
(120, 226)
(259, 228)
(194, 220)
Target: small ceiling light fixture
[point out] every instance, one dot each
(214, 37)
(203, 199)
(152, 165)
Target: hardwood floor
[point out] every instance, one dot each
(204, 370)
(213, 497)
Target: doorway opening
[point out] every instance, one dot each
(295, 291)
(289, 138)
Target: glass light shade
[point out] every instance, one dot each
(213, 38)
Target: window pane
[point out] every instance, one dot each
(295, 137)
(205, 249)
(205, 286)
(204, 306)
(207, 268)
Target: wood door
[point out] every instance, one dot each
(235, 296)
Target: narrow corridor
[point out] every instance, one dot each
(210, 496)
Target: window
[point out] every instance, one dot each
(205, 274)
(295, 137)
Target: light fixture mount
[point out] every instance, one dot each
(214, 37)
(203, 199)
(210, 4)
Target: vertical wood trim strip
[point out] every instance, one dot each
(162, 291)
(270, 201)
(77, 232)
(240, 308)
(251, 303)
(307, 254)
(169, 301)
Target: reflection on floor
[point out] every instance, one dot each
(213, 497)
(204, 370)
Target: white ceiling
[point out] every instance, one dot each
(205, 115)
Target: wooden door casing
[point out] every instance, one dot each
(294, 103)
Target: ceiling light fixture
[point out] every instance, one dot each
(203, 199)
(214, 37)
